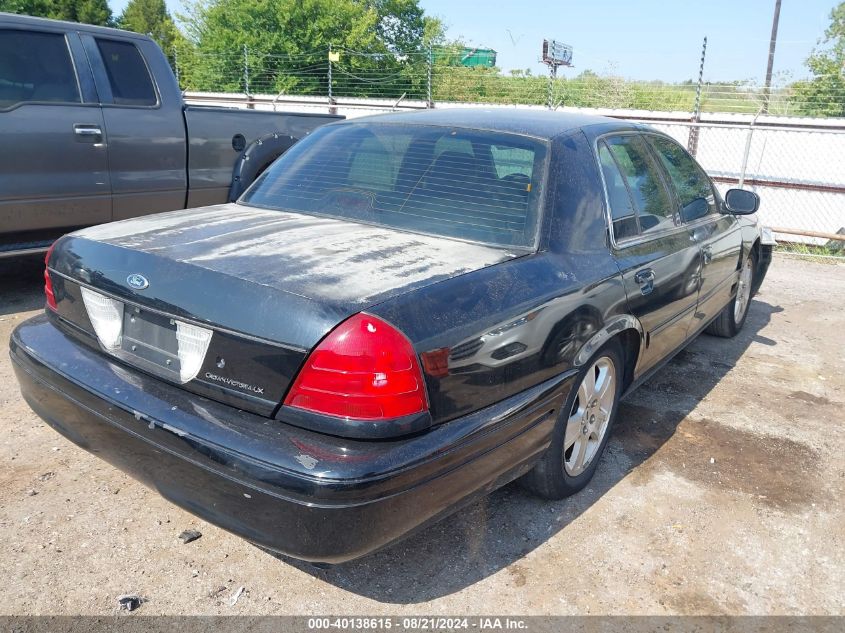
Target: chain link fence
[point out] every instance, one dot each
(795, 163)
(799, 172)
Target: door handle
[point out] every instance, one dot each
(707, 255)
(645, 280)
(88, 133)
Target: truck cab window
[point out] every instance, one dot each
(35, 67)
(130, 80)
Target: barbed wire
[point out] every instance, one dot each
(426, 75)
(796, 171)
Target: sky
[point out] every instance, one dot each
(638, 39)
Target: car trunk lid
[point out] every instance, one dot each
(268, 285)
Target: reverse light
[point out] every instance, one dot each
(106, 315)
(48, 283)
(364, 369)
(193, 344)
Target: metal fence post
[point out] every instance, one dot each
(747, 149)
(692, 142)
(246, 70)
(176, 66)
(332, 109)
(430, 101)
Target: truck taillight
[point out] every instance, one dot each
(48, 283)
(365, 369)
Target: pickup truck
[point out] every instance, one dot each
(94, 128)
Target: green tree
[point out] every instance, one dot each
(85, 11)
(151, 17)
(824, 95)
(282, 46)
(403, 26)
(39, 8)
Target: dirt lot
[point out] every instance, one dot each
(721, 492)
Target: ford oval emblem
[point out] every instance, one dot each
(139, 282)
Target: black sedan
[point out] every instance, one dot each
(403, 313)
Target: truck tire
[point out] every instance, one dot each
(255, 159)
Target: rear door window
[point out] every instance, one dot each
(35, 67)
(647, 193)
(128, 75)
(694, 189)
(467, 184)
(622, 211)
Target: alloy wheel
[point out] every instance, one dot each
(743, 290)
(589, 416)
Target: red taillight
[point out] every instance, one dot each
(48, 283)
(364, 369)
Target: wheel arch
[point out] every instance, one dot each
(631, 341)
(628, 331)
(255, 159)
(763, 253)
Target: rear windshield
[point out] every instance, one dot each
(466, 184)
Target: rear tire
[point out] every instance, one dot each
(733, 316)
(582, 429)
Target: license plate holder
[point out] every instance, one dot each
(150, 340)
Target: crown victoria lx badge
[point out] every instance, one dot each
(139, 282)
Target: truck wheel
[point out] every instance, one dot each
(582, 429)
(257, 157)
(732, 317)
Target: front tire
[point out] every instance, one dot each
(582, 429)
(733, 316)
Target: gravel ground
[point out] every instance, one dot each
(721, 493)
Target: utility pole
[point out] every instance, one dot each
(772, 43)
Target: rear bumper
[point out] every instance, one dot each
(301, 493)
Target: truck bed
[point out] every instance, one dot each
(211, 153)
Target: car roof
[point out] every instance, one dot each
(30, 22)
(543, 124)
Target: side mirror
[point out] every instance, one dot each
(742, 202)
